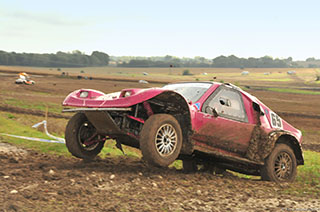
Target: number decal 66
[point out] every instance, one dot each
(276, 121)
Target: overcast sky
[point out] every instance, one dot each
(278, 28)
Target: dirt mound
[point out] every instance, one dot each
(40, 182)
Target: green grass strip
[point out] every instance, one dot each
(10, 126)
(288, 90)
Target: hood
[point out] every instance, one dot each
(98, 99)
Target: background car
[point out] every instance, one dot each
(24, 79)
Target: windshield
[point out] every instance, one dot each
(191, 91)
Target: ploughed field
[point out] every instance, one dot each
(36, 181)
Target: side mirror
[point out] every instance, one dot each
(212, 111)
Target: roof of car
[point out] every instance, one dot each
(230, 85)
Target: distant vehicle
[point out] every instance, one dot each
(245, 73)
(291, 72)
(24, 79)
(202, 123)
(143, 81)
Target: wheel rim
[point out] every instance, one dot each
(166, 140)
(283, 166)
(86, 132)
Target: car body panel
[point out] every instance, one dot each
(94, 98)
(222, 133)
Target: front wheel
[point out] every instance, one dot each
(161, 140)
(280, 166)
(82, 140)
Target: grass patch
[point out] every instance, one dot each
(308, 178)
(274, 80)
(177, 164)
(307, 182)
(10, 126)
(288, 90)
(54, 108)
(110, 149)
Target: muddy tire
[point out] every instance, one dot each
(161, 140)
(78, 130)
(280, 166)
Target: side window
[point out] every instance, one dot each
(228, 103)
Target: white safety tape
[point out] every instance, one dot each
(34, 139)
(44, 122)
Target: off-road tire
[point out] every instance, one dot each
(148, 138)
(268, 171)
(72, 139)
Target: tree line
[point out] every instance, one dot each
(79, 59)
(60, 59)
(218, 62)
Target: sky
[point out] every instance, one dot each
(183, 28)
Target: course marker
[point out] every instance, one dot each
(33, 139)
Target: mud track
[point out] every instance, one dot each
(39, 182)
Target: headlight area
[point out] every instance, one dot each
(125, 93)
(84, 94)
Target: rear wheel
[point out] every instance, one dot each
(280, 165)
(82, 139)
(161, 140)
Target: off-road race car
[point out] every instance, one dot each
(205, 124)
(24, 79)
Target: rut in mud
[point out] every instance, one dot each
(39, 182)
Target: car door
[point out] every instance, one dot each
(223, 122)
